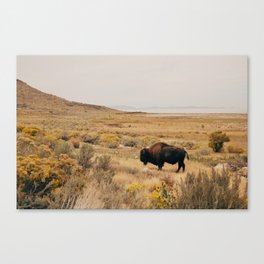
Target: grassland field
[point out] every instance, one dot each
(121, 135)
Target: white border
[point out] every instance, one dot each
(131, 27)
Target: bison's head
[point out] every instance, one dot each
(144, 154)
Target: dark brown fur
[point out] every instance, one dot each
(160, 153)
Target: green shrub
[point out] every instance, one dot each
(103, 163)
(217, 139)
(64, 148)
(85, 155)
(200, 191)
(110, 140)
(213, 191)
(104, 179)
(32, 131)
(129, 142)
(91, 138)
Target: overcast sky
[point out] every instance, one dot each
(141, 81)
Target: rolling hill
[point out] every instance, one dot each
(32, 99)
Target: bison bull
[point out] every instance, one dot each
(160, 153)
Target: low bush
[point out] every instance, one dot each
(68, 165)
(25, 146)
(91, 138)
(163, 196)
(44, 151)
(32, 131)
(235, 149)
(103, 178)
(64, 135)
(50, 140)
(39, 180)
(66, 197)
(237, 162)
(110, 140)
(200, 191)
(129, 141)
(36, 178)
(64, 148)
(85, 155)
(217, 140)
(214, 191)
(147, 141)
(74, 134)
(103, 162)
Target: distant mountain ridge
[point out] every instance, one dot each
(32, 99)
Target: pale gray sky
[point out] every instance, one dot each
(141, 81)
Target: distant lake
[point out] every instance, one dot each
(176, 110)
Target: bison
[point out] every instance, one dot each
(160, 153)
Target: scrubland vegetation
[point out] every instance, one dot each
(89, 158)
(99, 167)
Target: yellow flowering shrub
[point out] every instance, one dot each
(74, 134)
(32, 131)
(50, 140)
(20, 128)
(136, 187)
(162, 196)
(110, 140)
(39, 177)
(157, 197)
(68, 165)
(44, 151)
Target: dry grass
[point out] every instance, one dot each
(121, 136)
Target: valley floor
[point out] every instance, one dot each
(126, 182)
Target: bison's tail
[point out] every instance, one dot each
(187, 154)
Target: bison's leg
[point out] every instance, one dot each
(160, 165)
(181, 165)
